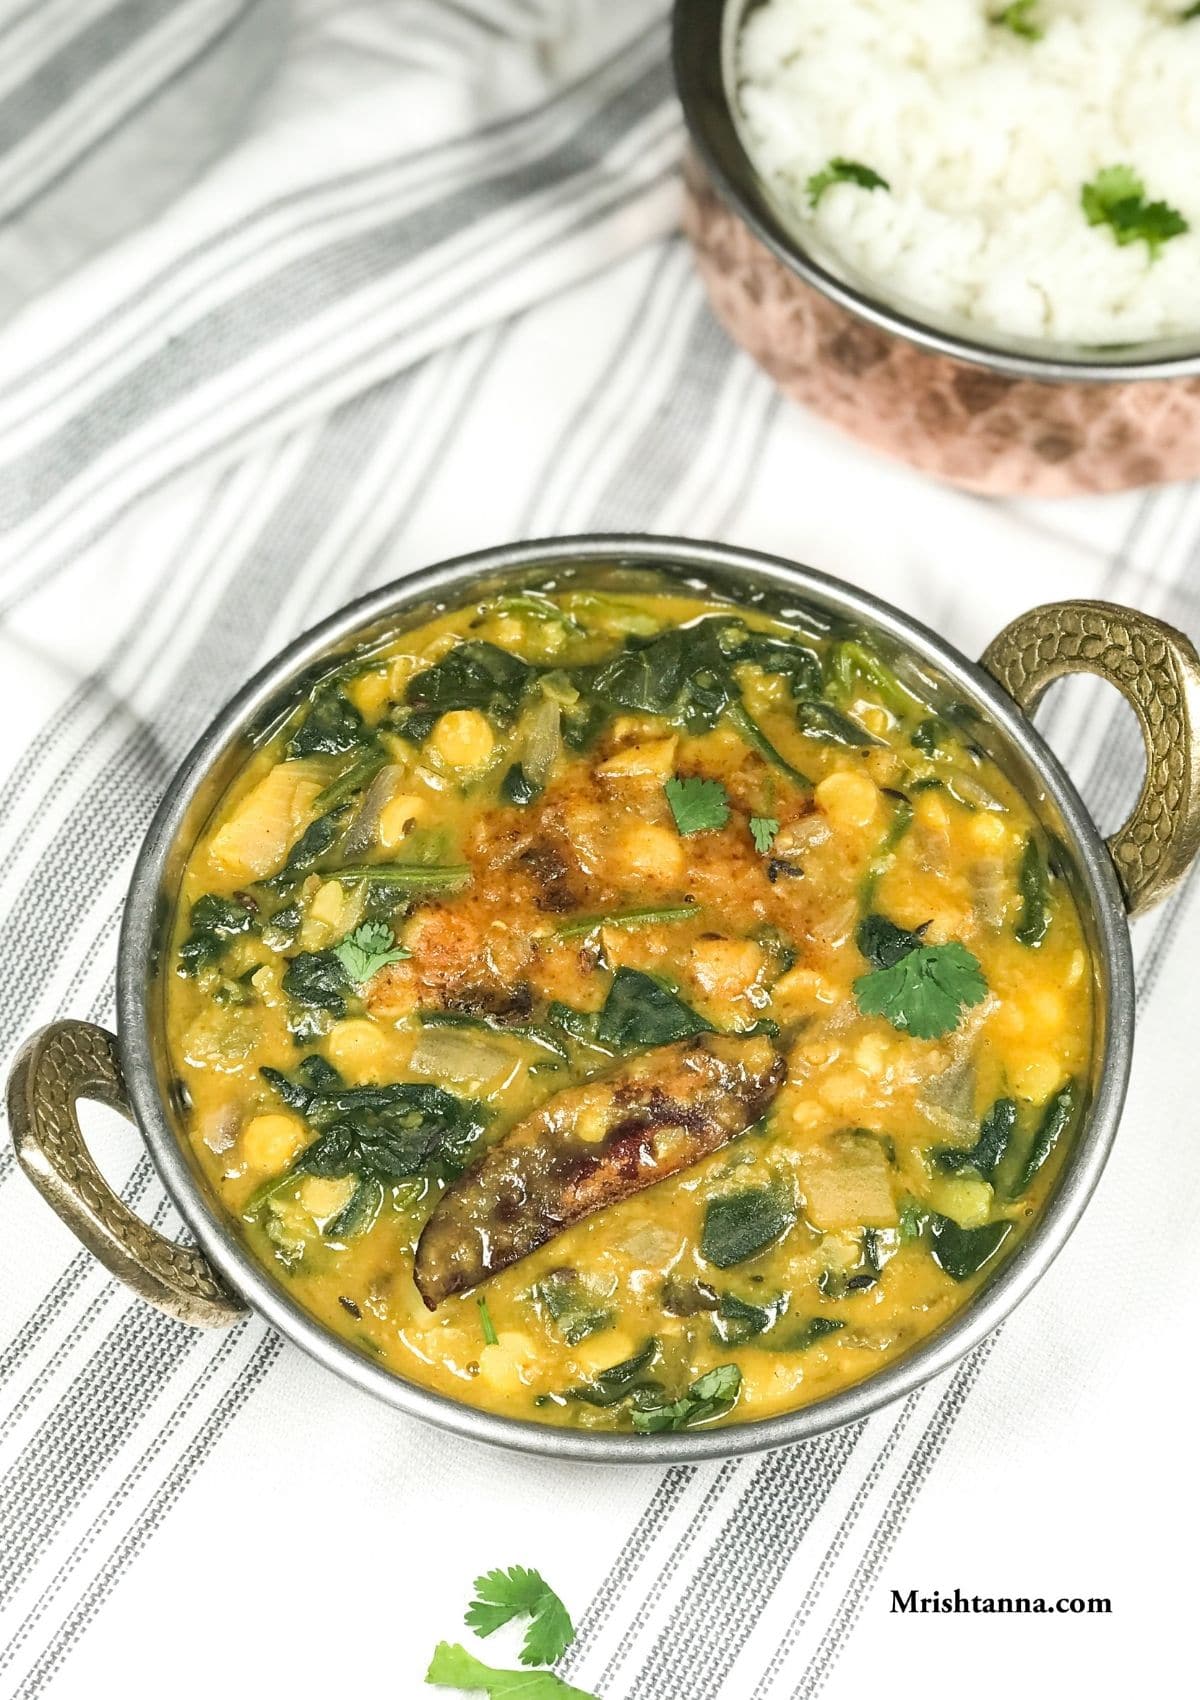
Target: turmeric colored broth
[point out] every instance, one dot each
(434, 876)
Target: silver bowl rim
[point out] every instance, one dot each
(137, 982)
(699, 59)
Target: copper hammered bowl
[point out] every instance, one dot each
(1030, 419)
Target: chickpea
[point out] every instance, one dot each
(398, 815)
(269, 1142)
(463, 738)
(849, 799)
(360, 1050)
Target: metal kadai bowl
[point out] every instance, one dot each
(214, 1282)
(1028, 418)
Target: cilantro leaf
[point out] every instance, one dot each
(502, 1595)
(925, 991)
(1020, 20)
(367, 949)
(763, 830)
(709, 1396)
(453, 1667)
(1117, 197)
(699, 805)
(844, 171)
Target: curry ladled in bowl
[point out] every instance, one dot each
(628, 1011)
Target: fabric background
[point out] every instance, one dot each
(295, 300)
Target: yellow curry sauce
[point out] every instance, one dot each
(558, 897)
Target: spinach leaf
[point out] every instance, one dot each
(883, 943)
(800, 1339)
(682, 674)
(927, 736)
(318, 980)
(331, 727)
(821, 720)
(580, 925)
(738, 1225)
(711, 1395)
(474, 674)
(1056, 1118)
(985, 1156)
(641, 1011)
(751, 733)
(794, 661)
(738, 1320)
(572, 1306)
(517, 788)
(1033, 880)
(854, 663)
(313, 844)
(212, 923)
(354, 777)
(577, 1024)
(619, 1381)
(963, 1252)
(386, 1133)
(360, 1213)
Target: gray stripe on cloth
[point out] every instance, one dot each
(606, 207)
(713, 1618)
(90, 1318)
(899, 1504)
(92, 1419)
(641, 1537)
(71, 67)
(430, 172)
(86, 145)
(655, 459)
(837, 1545)
(235, 1396)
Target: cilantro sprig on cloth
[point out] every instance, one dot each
(502, 1595)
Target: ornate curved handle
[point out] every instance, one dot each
(1157, 671)
(60, 1065)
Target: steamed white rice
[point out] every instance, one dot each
(986, 140)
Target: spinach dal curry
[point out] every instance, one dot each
(627, 1011)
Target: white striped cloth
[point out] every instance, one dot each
(429, 298)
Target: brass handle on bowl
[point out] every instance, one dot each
(60, 1065)
(1157, 671)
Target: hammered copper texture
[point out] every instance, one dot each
(64, 1063)
(983, 430)
(1157, 670)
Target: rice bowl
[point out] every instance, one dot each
(940, 154)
